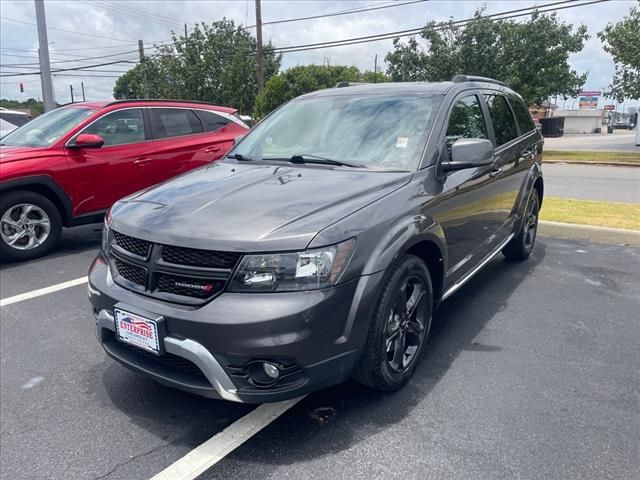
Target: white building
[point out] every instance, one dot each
(583, 121)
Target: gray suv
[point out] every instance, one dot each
(318, 250)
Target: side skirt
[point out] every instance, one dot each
(454, 288)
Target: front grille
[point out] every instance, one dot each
(174, 274)
(133, 245)
(199, 258)
(133, 273)
(189, 287)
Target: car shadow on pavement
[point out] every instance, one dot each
(325, 422)
(335, 419)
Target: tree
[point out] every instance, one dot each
(214, 63)
(35, 106)
(622, 41)
(532, 56)
(306, 78)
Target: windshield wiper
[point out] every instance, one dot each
(240, 157)
(309, 158)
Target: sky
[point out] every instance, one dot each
(92, 28)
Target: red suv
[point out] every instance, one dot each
(67, 167)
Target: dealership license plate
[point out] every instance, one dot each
(138, 331)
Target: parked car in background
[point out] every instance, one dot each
(623, 125)
(319, 249)
(68, 166)
(11, 119)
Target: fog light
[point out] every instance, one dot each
(271, 370)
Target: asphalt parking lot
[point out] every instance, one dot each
(531, 372)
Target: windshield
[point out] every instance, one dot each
(48, 128)
(375, 131)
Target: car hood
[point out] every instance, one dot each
(250, 207)
(9, 153)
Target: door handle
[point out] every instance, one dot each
(215, 149)
(527, 155)
(141, 162)
(496, 171)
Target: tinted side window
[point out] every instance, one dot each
(210, 121)
(503, 124)
(466, 120)
(120, 127)
(522, 114)
(174, 122)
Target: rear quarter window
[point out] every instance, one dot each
(211, 121)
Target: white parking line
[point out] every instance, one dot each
(221, 444)
(42, 291)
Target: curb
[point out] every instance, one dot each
(618, 236)
(599, 164)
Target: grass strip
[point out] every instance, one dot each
(588, 212)
(595, 157)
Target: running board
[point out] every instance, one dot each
(454, 288)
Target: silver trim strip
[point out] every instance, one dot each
(191, 350)
(454, 288)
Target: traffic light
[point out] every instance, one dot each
(21, 87)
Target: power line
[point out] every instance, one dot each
(69, 31)
(132, 61)
(132, 13)
(335, 14)
(80, 59)
(413, 31)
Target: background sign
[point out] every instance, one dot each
(609, 107)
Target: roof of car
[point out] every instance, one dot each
(437, 88)
(152, 102)
(373, 88)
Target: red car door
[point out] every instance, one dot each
(116, 169)
(185, 139)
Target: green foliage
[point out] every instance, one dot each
(32, 104)
(214, 63)
(306, 78)
(531, 56)
(622, 41)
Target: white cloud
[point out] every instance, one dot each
(122, 23)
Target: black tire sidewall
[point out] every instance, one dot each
(377, 371)
(11, 199)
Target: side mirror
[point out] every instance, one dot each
(88, 140)
(469, 153)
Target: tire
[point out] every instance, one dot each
(520, 246)
(40, 228)
(378, 367)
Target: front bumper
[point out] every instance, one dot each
(315, 337)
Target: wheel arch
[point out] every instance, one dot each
(417, 236)
(45, 186)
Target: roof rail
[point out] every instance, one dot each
(160, 100)
(350, 84)
(475, 78)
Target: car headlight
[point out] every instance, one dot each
(106, 232)
(288, 272)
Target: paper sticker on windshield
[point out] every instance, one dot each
(402, 142)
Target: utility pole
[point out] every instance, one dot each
(259, 41)
(43, 53)
(71, 88)
(141, 50)
(82, 86)
(375, 68)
